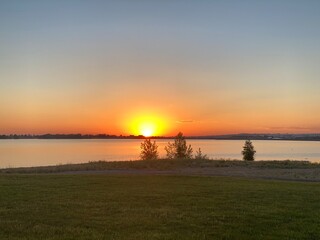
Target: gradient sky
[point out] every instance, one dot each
(201, 67)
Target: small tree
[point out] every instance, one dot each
(179, 149)
(200, 156)
(149, 150)
(248, 151)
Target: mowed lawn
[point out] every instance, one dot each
(156, 207)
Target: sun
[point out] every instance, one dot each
(147, 129)
(147, 125)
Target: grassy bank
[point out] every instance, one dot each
(156, 207)
(162, 164)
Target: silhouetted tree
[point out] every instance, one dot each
(199, 155)
(149, 150)
(248, 151)
(179, 149)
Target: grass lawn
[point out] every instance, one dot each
(156, 207)
(164, 164)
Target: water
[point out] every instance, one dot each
(34, 152)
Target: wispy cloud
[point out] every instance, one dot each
(185, 121)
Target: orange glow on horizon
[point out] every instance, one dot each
(147, 124)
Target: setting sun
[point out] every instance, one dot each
(147, 129)
(147, 124)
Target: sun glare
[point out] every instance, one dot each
(147, 125)
(147, 130)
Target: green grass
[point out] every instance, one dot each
(156, 207)
(162, 164)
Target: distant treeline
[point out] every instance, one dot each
(277, 136)
(70, 136)
(244, 136)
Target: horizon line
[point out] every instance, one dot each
(140, 135)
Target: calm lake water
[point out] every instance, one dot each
(34, 152)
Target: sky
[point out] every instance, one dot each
(127, 67)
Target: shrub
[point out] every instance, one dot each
(149, 150)
(248, 151)
(179, 149)
(199, 155)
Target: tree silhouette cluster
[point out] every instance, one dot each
(176, 150)
(180, 150)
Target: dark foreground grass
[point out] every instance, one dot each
(163, 164)
(156, 207)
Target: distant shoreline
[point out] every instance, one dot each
(268, 137)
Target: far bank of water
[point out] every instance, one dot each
(36, 152)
